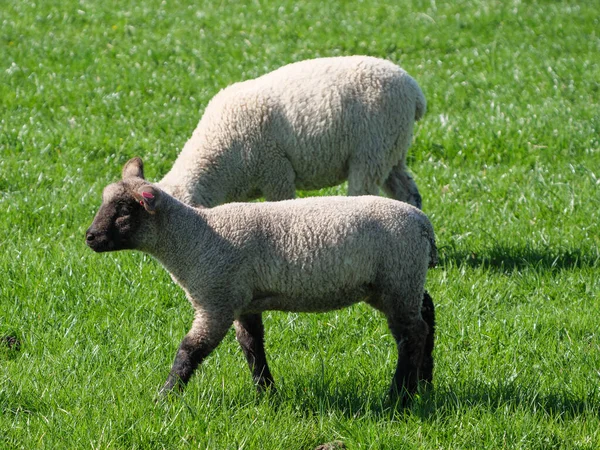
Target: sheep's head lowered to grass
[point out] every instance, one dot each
(125, 208)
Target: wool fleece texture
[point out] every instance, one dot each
(307, 125)
(315, 254)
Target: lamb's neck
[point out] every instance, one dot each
(181, 231)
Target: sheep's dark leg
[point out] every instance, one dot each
(203, 338)
(249, 331)
(428, 314)
(400, 186)
(410, 334)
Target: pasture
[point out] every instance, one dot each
(507, 159)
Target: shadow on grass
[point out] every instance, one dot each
(506, 258)
(15, 402)
(320, 398)
(509, 397)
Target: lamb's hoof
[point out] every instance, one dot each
(265, 386)
(171, 388)
(400, 397)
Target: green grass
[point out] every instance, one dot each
(507, 160)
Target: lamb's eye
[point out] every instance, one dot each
(124, 211)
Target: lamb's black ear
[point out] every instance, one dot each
(149, 198)
(134, 168)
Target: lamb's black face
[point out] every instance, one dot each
(116, 222)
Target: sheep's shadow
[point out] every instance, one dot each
(434, 403)
(318, 396)
(509, 395)
(504, 258)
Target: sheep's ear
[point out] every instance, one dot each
(149, 198)
(134, 168)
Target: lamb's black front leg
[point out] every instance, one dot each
(206, 333)
(250, 332)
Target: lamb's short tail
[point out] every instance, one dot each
(427, 233)
(433, 255)
(420, 104)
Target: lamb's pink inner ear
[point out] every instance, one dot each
(147, 198)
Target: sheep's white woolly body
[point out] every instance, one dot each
(307, 125)
(298, 255)
(318, 254)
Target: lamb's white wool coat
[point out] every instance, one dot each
(307, 125)
(305, 255)
(316, 254)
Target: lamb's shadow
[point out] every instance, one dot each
(436, 403)
(319, 396)
(504, 258)
(511, 395)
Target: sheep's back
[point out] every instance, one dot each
(319, 114)
(302, 252)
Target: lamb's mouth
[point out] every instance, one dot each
(99, 243)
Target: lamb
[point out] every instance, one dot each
(307, 255)
(307, 125)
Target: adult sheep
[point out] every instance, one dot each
(307, 125)
(238, 260)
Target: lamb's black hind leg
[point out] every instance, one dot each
(428, 314)
(410, 334)
(249, 331)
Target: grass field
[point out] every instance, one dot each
(507, 160)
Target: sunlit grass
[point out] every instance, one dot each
(507, 160)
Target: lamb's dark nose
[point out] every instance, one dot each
(98, 240)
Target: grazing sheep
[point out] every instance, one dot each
(238, 260)
(307, 125)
